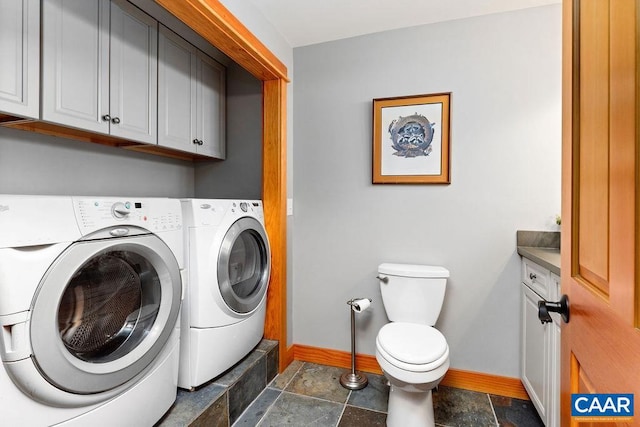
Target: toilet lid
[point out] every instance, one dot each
(412, 343)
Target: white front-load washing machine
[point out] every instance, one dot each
(227, 263)
(90, 293)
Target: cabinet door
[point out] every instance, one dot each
(535, 350)
(210, 97)
(133, 73)
(176, 92)
(75, 61)
(20, 53)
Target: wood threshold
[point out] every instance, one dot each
(468, 380)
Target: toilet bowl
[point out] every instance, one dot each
(414, 358)
(413, 355)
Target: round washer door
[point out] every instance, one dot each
(244, 265)
(103, 312)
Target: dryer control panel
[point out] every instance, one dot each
(155, 215)
(212, 212)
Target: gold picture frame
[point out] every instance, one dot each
(411, 139)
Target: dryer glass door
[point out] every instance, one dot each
(244, 264)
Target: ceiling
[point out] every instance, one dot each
(305, 22)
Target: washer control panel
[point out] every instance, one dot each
(155, 215)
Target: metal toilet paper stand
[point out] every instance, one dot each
(355, 380)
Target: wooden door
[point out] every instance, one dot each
(600, 230)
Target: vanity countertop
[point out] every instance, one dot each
(541, 247)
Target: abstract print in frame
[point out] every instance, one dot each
(411, 143)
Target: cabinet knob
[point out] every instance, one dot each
(115, 120)
(562, 307)
(106, 117)
(198, 141)
(532, 276)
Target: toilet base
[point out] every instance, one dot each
(410, 409)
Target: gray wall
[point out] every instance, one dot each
(504, 72)
(239, 176)
(31, 163)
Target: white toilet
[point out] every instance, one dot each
(413, 355)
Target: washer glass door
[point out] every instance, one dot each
(109, 306)
(104, 311)
(244, 265)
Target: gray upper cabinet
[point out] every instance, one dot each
(176, 92)
(20, 53)
(133, 73)
(99, 68)
(210, 101)
(191, 98)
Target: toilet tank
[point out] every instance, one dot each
(412, 293)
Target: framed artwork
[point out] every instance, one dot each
(411, 139)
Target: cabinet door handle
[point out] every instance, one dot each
(562, 307)
(200, 142)
(106, 117)
(115, 120)
(532, 276)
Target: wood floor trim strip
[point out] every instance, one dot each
(468, 380)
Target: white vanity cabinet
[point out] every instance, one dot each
(540, 345)
(191, 98)
(20, 53)
(99, 67)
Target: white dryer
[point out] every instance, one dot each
(227, 262)
(90, 293)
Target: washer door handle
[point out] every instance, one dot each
(119, 232)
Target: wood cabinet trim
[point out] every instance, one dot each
(218, 26)
(468, 380)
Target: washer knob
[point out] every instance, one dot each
(244, 207)
(119, 210)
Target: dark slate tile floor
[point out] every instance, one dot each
(307, 394)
